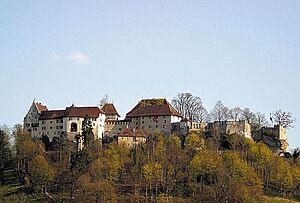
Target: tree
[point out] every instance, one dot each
(247, 115)
(235, 113)
(194, 143)
(103, 100)
(87, 131)
(220, 112)
(25, 148)
(247, 187)
(4, 149)
(260, 119)
(40, 171)
(202, 170)
(80, 161)
(110, 165)
(152, 172)
(295, 154)
(190, 106)
(283, 118)
(280, 176)
(100, 191)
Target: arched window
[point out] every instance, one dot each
(73, 127)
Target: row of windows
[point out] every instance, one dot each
(75, 118)
(196, 125)
(57, 127)
(47, 133)
(57, 121)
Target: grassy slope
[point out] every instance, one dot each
(277, 200)
(13, 190)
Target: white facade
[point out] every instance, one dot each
(57, 123)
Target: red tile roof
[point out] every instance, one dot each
(74, 111)
(40, 107)
(53, 114)
(153, 107)
(127, 132)
(110, 109)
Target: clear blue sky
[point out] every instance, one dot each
(246, 53)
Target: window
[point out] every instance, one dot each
(164, 126)
(43, 122)
(61, 121)
(156, 126)
(50, 121)
(149, 117)
(61, 127)
(136, 123)
(94, 119)
(165, 121)
(56, 121)
(73, 127)
(149, 126)
(56, 127)
(143, 122)
(50, 128)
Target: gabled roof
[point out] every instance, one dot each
(74, 111)
(153, 107)
(127, 132)
(110, 109)
(40, 107)
(53, 114)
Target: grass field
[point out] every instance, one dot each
(12, 190)
(277, 200)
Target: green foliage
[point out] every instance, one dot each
(101, 191)
(110, 164)
(40, 171)
(87, 131)
(158, 169)
(281, 176)
(295, 172)
(152, 171)
(248, 186)
(5, 154)
(80, 161)
(204, 164)
(194, 143)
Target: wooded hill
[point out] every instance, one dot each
(163, 168)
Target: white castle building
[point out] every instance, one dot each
(149, 115)
(40, 121)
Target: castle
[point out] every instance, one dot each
(147, 117)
